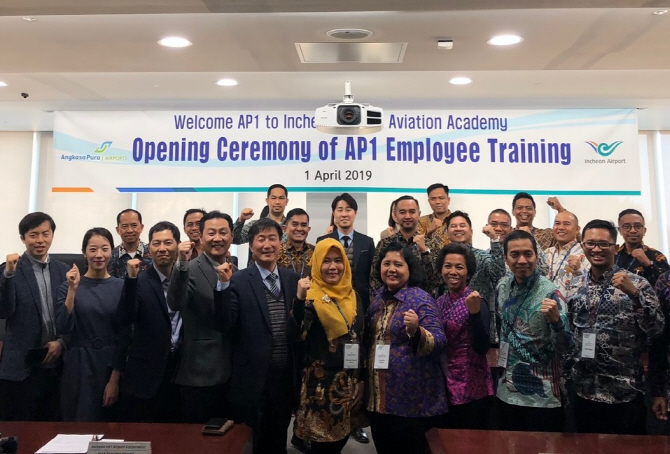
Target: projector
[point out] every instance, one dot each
(347, 117)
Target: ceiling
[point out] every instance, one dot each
(102, 55)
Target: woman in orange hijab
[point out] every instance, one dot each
(328, 317)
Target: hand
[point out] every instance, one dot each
(474, 302)
(246, 214)
(357, 398)
(185, 250)
(330, 229)
(435, 224)
(525, 228)
(660, 408)
(574, 262)
(621, 281)
(550, 310)
(111, 394)
(55, 350)
(641, 257)
(73, 277)
(420, 241)
(489, 232)
(390, 230)
(303, 285)
(12, 260)
(411, 321)
(133, 267)
(225, 272)
(555, 204)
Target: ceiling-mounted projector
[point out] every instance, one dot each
(348, 117)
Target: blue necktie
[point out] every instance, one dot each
(272, 281)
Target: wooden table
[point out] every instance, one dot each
(164, 438)
(443, 441)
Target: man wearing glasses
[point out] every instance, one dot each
(634, 255)
(612, 315)
(276, 200)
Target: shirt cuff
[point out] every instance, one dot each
(183, 265)
(8, 275)
(220, 286)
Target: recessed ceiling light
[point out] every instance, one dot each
(505, 40)
(29, 18)
(174, 41)
(3, 84)
(349, 33)
(660, 12)
(226, 82)
(460, 80)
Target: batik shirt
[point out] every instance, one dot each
(532, 375)
(296, 260)
(622, 325)
(566, 279)
(490, 269)
(659, 264)
(427, 220)
(120, 257)
(545, 237)
(659, 353)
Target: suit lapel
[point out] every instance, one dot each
(207, 270)
(286, 290)
(258, 288)
(157, 287)
(25, 267)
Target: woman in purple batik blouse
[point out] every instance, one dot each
(404, 339)
(464, 315)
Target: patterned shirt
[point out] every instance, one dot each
(241, 230)
(659, 353)
(432, 278)
(622, 325)
(427, 220)
(659, 264)
(490, 269)
(566, 279)
(296, 260)
(532, 375)
(545, 237)
(120, 257)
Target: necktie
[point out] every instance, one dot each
(272, 282)
(346, 238)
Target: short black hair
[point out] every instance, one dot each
(460, 249)
(347, 198)
(500, 211)
(216, 215)
(100, 231)
(262, 225)
(459, 214)
(522, 195)
(629, 211)
(406, 197)
(435, 186)
(190, 211)
(165, 225)
(274, 186)
(295, 212)
(128, 210)
(601, 224)
(265, 211)
(416, 274)
(32, 220)
(519, 235)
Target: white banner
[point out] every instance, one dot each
(557, 152)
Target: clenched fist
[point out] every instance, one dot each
(411, 322)
(73, 277)
(246, 214)
(420, 241)
(550, 310)
(303, 285)
(474, 302)
(641, 257)
(133, 267)
(185, 250)
(574, 262)
(12, 260)
(225, 271)
(621, 281)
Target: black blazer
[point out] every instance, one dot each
(143, 307)
(364, 251)
(242, 308)
(20, 304)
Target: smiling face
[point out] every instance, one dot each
(439, 201)
(192, 226)
(565, 227)
(459, 231)
(455, 272)
(332, 268)
(599, 257)
(297, 228)
(265, 248)
(631, 227)
(216, 238)
(344, 216)
(407, 215)
(163, 248)
(129, 228)
(521, 258)
(98, 253)
(38, 240)
(394, 270)
(501, 223)
(277, 201)
(524, 212)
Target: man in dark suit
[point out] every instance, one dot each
(31, 365)
(255, 304)
(205, 363)
(150, 360)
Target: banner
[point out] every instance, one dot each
(557, 152)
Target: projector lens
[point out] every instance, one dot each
(348, 115)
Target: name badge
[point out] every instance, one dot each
(382, 353)
(351, 356)
(503, 352)
(588, 344)
(119, 447)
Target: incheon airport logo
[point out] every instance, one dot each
(103, 147)
(604, 150)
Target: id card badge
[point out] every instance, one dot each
(382, 353)
(351, 356)
(503, 352)
(589, 344)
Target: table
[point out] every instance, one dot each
(164, 438)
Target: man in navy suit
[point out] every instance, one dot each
(31, 365)
(254, 305)
(153, 343)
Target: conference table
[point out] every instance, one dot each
(164, 438)
(445, 441)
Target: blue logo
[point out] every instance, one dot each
(103, 147)
(604, 149)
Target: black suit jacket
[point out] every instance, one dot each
(143, 307)
(242, 308)
(364, 251)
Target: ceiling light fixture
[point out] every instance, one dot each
(175, 41)
(660, 12)
(226, 82)
(29, 18)
(349, 33)
(3, 84)
(460, 80)
(505, 40)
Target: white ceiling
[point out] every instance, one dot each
(102, 55)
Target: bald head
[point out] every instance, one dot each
(566, 227)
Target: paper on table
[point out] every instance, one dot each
(68, 444)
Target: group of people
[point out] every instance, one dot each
(422, 330)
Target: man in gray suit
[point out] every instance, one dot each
(31, 365)
(205, 363)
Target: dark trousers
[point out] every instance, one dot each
(36, 398)
(334, 447)
(472, 415)
(598, 417)
(202, 403)
(398, 434)
(531, 419)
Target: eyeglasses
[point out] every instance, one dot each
(504, 225)
(629, 227)
(601, 244)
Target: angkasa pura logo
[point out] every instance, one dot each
(103, 147)
(604, 149)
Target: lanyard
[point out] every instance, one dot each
(632, 262)
(290, 258)
(510, 325)
(350, 328)
(554, 275)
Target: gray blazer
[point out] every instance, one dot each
(20, 305)
(206, 353)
